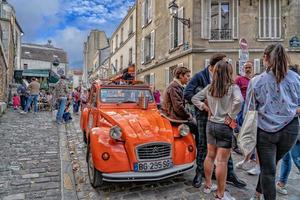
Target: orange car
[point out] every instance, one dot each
(129, 140)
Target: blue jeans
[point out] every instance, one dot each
(286, 163)
(61, 108)
(31, 98)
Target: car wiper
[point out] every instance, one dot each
(128, 101)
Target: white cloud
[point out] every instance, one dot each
(67, 22)
(35, 14)
(71, 39)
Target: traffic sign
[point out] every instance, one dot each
(243, 44)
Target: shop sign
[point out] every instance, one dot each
(294, 42)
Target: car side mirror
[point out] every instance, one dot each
(143, 102)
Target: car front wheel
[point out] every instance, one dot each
(95, 175)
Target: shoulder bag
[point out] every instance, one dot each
(248, 133)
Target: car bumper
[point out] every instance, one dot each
(147, 176)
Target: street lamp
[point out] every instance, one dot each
(173, 8)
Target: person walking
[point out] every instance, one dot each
(243, 83)
(16, 102)
(199, 81)
(224, 101)
(34, 90)
(61, 93)
(23, 95)
(276, 94)
(156, 95)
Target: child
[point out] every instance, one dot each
(16, 101)
(67, 115)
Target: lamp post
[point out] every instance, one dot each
(173, 8)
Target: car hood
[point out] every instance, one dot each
(140, 126)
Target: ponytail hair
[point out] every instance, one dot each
(278, 60)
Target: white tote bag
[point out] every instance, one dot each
(248, 133)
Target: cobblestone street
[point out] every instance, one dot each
(30, 161)
(35, 152)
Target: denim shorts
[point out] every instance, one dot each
(219, 135)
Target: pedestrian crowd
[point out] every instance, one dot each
(59, 98)
(222, 106)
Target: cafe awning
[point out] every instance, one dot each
(36, 73)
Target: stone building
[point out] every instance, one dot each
(101, 68)
(96, 40)
(123, 43)
(36, 56)
(10, 34)
(164, 43)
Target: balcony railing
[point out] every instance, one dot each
(221, 34)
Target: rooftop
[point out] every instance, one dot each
(46, 52)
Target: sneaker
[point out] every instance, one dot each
(227, 196)
(254, 171)
(281, 189)
(244, 165)
(257, 197)
(208, 190)
(22, 112)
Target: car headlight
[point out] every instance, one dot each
(115, 132)
(183, 129)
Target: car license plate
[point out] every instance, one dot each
(153, 165)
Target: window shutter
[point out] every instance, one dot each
(256, 65)
(171, 36)
(152, 79)
(180, 27)
(143, 51)
(152, 49)
(205, 18)
(150, 11)
(235, 19)
(207, 62)
(167, 76)
(143, 14)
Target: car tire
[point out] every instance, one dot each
(95, 176)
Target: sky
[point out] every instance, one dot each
(68, 22)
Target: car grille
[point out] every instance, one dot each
(153, 151)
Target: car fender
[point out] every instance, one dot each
(84, 119)
(100, 142)
(181, 152)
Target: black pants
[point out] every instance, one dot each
(271, 147)
(23, 99)
(201, 143)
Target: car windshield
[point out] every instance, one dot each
(120, 95)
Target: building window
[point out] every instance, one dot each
(269, 19)
(116, 66)
(121, 62)
(176, 30)
(130, 25)
(112, 46)
(122, 30)
(148, 46)
(146, 12)
(220, 21)
(25, 66)
(117, 40)
(130, 57)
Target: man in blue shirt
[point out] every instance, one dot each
(198, 82)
